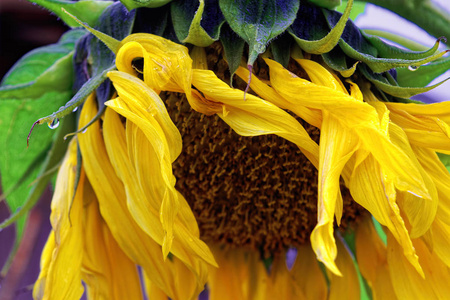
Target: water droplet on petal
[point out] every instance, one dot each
(84, 131)
(75, 109)
(54, 124)
(413, 68)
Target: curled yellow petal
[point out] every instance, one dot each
(336, 148)
(110, 192)
(107, 271)
(65, 245)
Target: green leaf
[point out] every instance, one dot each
(197, 22)
(311, 32)
(90, 10)
(41, 80)
(358, 8)
(445, 159)
(258, 22)
(427, 14)
(48, 168)
(425, 74)
(131, 4)
(391, 88)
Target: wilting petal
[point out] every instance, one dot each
(46, 259)
(337, 145)
(111, 196)
(63, 276)
(410, 285)
(107, 271)
(241, 275)
(420, 212)
(356, 116)
(371, 255)
(367, 188)
(313, 285)
(312, 116)
(441, 178)
(347, 285)
(281, 284)
(426, 125)
(253, 116)
(153, 292)
(143, 190)
(167, 65)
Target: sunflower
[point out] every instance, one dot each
(249, 186)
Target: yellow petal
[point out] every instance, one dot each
(111, 196)
(441, 178)
(308, 276)
(149, 182)
(321, 76)
(420, 212)
(371, 255)
(410, 285)
(46, 259)
(281, 283)
(253, 116)
(427, 125)
(337, 145)
(369, 190)
(356, 116)
(62, 282)
(153, 292)
(312, 116)
(107, 271)
(347, 285)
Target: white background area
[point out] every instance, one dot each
(381, 19)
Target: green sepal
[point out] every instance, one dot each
(330, 4)
(152, 20)
(76, 101)
(310, 29)
(89, 9)
(337, 61)
(197, 22)
(132, 4)
(388, 51)
(356, 45)
(425, 74)
(281, 49)
(233, 47)
(258, 22)
(390, 87)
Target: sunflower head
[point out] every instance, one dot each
(241, 145)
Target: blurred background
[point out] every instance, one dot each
(25, 26)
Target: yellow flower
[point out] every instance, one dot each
(384, 152)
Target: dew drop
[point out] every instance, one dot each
(413, 68)
(75, 109)
(84, 131)
(54, 124)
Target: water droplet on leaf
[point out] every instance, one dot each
(413, 68)
(54, 124)
(75, 109)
